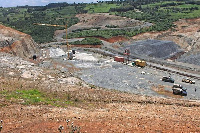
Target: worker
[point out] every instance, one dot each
(127, 52)
(34, 57)
(195, 89)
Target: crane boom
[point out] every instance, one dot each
(50, 25)
(68, 47)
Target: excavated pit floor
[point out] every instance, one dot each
(104, 72)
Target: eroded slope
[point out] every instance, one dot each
(16, 43)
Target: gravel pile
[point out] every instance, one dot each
(120, 77)
(154, 48)
(190, 58)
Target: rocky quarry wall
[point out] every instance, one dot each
(17, 43)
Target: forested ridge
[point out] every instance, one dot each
(162, 13)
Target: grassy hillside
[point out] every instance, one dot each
(100, 7)
(22, 19)
(161, 14)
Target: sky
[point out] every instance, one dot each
(14, 3)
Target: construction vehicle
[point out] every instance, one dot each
(168, 79)
(119, 59)
(127, 53)
(187, 80)
(179, 90)
(177, 86)
(140, 63)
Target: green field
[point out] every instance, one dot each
(162, 14)
(36, 97)
(100, 8)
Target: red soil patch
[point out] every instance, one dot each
(117, 39)
(113, 39)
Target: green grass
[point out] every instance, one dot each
(36, 97)
(159, 4)
(22, 19)
(100, 8)
(89, 41)
(187, 14)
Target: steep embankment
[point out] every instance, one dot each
(186, 34)
(16, 43)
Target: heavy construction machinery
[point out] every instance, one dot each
(168, 79)
(187, 80)
(177, 86)
(179, 90)
(140, 63)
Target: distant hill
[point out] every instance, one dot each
(162, 14)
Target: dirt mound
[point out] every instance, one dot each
(154, 48)
(104, 21)
(16, 43)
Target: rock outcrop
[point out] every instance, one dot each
(17, 43)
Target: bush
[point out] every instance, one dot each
(89, 41)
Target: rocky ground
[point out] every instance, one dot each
(17, 43)
(92, 108)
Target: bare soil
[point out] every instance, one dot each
(103, 20)
(114, 39)
(98, 110)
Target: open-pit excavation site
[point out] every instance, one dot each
(103, 71)
(147, 83)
